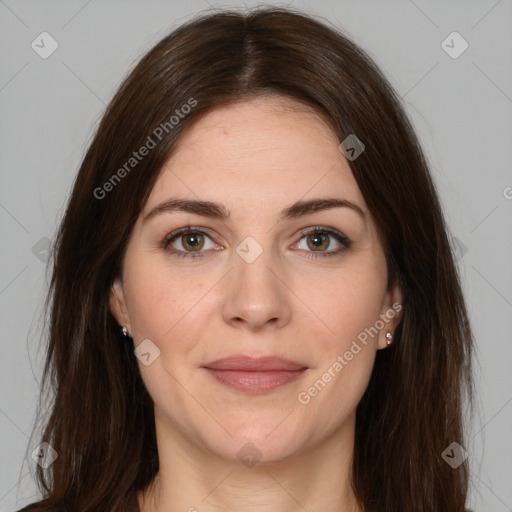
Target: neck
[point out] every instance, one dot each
(194, 479)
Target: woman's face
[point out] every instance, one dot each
(251, 279)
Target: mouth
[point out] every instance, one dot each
(255, 375)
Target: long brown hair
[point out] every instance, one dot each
(101, 419)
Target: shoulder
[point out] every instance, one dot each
(130, 505)
(39, 506)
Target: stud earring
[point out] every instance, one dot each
(124, 331)
(389, 338)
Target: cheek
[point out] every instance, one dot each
(345, 363)
(333, 393)
(352, 301)
(351, 305)
(165, 307)
(161, 300)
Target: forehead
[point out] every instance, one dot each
(262, 151)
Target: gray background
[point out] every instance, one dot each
(461, 108)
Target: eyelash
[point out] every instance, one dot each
(313, 255)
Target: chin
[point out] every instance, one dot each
(257, 443)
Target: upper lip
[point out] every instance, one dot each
(253, 364)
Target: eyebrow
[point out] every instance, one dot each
(218, 211)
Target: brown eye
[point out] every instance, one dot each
(188, 242)
(192, 241)
(317, 241)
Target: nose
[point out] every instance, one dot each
(256, 296)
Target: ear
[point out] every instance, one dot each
(117, 304)
(390, 315)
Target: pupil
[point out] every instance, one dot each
(318, 239)
(192, 241)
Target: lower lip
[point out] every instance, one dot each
(255, 382)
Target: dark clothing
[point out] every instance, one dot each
(132, 505)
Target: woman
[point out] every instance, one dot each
(254, 304)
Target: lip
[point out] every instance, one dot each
(255, 364)
(255, 374)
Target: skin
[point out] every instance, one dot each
(256, 157)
